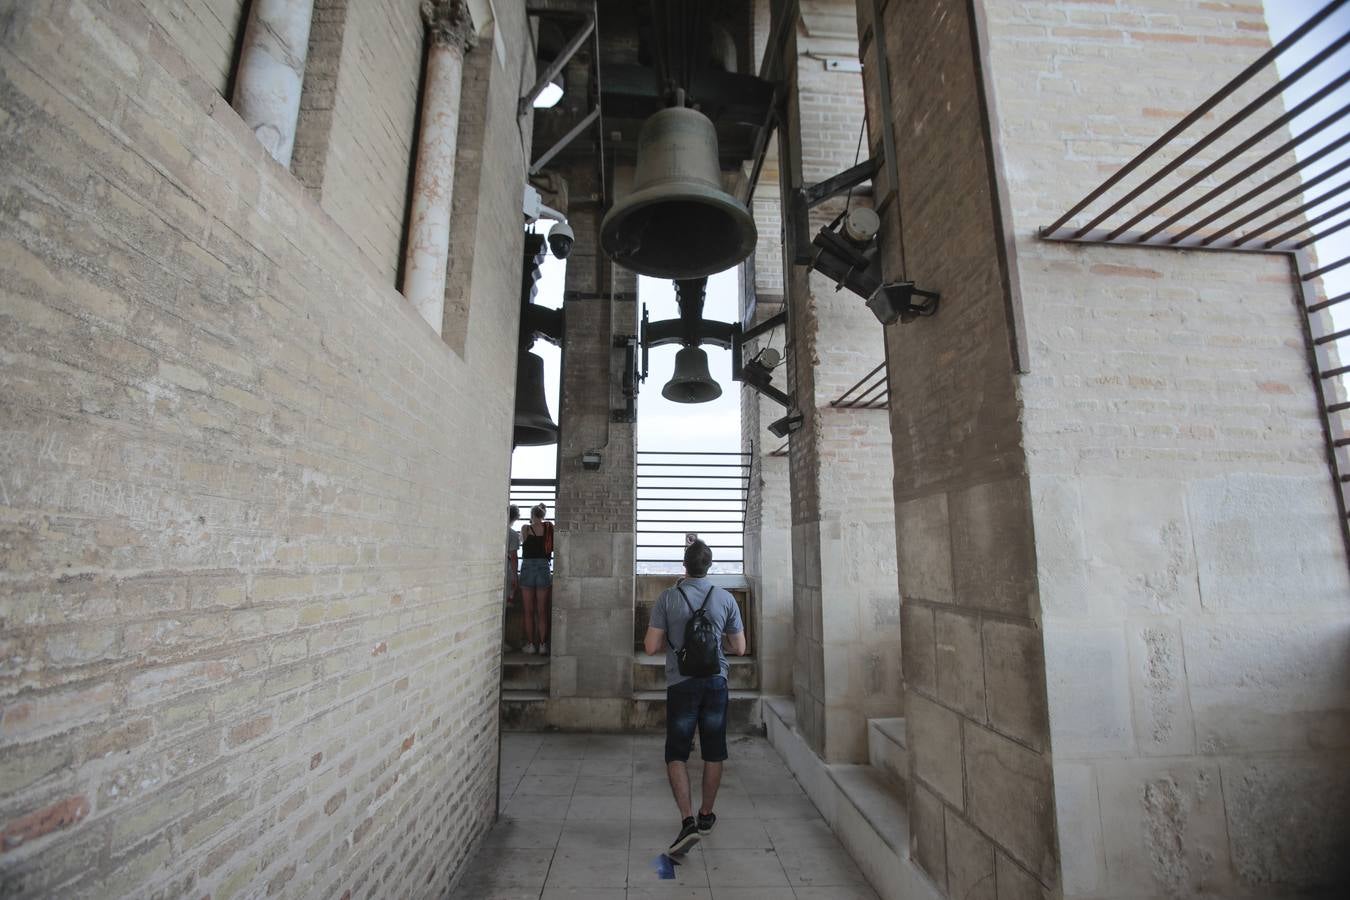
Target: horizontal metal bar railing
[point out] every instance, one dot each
(684, 491)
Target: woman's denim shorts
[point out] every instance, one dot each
(535, 573)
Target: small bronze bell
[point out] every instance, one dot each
(691, 382)
(533, 426)
(678, 222)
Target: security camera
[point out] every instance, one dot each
(561, 239)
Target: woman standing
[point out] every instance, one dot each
(512, 582)
(536, 578)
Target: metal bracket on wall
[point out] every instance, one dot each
(628, 343)
(562, 59)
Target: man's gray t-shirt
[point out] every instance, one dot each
(671, 614)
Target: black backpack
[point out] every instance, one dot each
(697, 656)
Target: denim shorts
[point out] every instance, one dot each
(534, 573)
(700, 702)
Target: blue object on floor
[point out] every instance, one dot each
(665, 867)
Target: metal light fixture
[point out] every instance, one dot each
(550, 93)
(846, 250)
(787, 425)
(894, 302)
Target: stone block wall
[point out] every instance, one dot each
(591, 670)
(981, 794)
(371, 142)
(248, 610)
(206, 32)
(1192, 577)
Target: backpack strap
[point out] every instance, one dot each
(691, 613)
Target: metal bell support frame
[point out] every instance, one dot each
(678, 222)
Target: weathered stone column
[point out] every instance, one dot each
(450, 31)
(272, 70)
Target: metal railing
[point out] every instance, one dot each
(680, 492)
(872, 391)
(1230, 204)
(526, 492)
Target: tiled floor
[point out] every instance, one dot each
(589, 816)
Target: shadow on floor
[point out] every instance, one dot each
(589, 815)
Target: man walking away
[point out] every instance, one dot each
(697, 623)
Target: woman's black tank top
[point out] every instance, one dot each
(533, 547)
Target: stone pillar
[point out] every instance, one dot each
(981, 799)
(591, 672)
(846, 605)
(449, 32)
(272, 71)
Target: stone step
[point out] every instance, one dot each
(887, 750)
(524, 710)
(743, 712)
(649, 673)
(524, 672)
(863, 806)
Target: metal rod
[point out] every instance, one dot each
(863, 400)
(1291, 214)
(888, 126)
(1262, 133)
(1288, 195)
(698, 464)
(1317, 220)
(1259, 189)
(556, 66)
(692, 453)
(1322, 234)
(566, 139)
(1197, 114)
(1335, 336)
(1317, 273)
(859, 383)
(1330, 301)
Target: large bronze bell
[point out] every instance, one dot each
(691, 383)
(533, 426)
(678, 222)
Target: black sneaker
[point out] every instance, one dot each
(687, 838)
(706, 823)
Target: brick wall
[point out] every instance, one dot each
(1191, 573)
(846, 609)
(206, 31)
(768, 539)
(243, 653)
(371, 144)
(981, 803)
(591, 671)
(318, 95)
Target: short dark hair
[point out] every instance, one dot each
(512, 513)
(698, 559)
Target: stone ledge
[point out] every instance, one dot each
(867, 815)
(887, 750)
